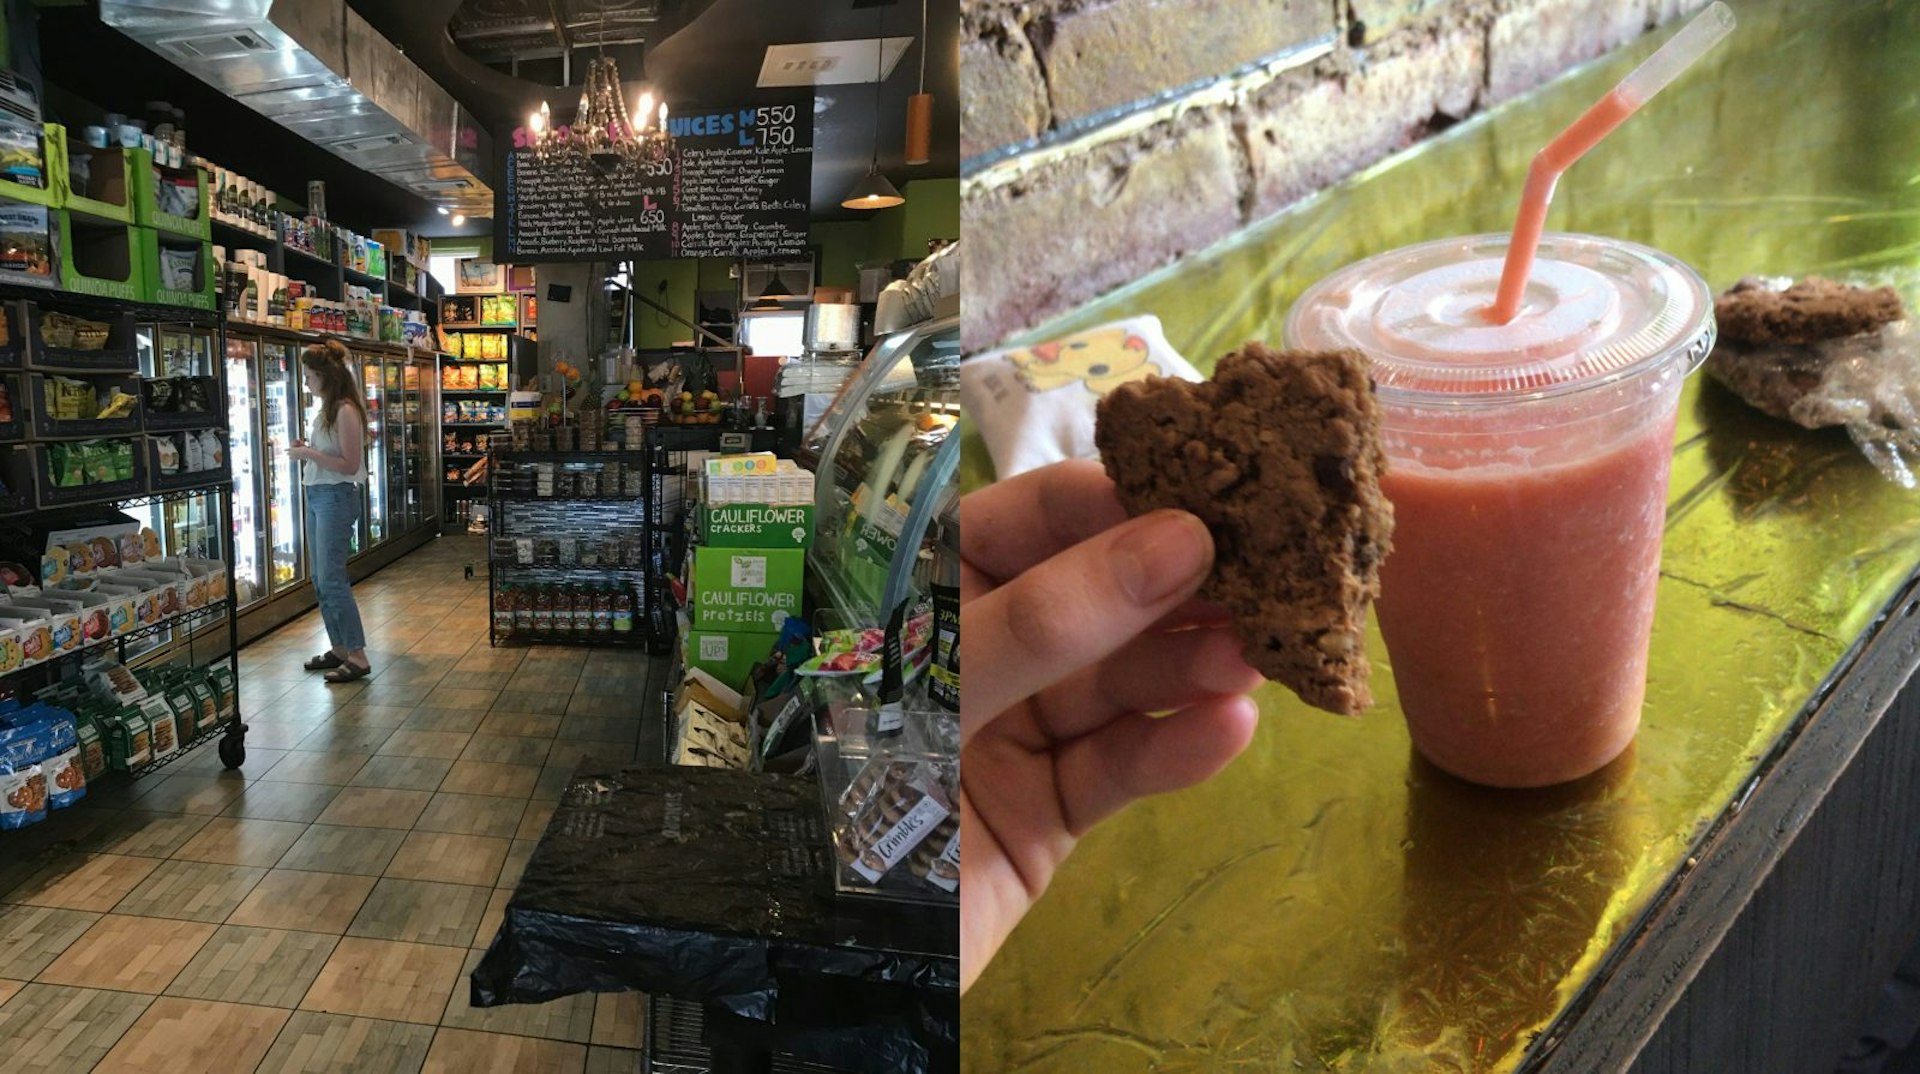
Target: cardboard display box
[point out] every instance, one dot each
(757, 525)
(728, 656)
(737, 589)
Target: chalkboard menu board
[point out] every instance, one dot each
(736, 185)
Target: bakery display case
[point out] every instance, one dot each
(886, 461)
(891, 799)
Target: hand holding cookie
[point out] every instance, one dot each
(1088, 621)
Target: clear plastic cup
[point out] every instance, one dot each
(1527, 467)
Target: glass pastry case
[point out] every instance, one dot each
(886, 461)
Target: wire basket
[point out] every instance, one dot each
(74, 333)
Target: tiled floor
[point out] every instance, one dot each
(318, 910)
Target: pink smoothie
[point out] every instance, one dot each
(1527, 467)
(1516, 607)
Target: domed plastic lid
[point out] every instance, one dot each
(1595, 310)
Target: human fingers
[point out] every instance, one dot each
(1077, 608)
(1136, 756)
(997, 896)
(1011, 525)
(1194, 613)
(1156, 672)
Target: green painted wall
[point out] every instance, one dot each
(932, 211)
(682, 279)
(843, 245)
(716, 274)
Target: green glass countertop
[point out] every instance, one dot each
(1330, 903)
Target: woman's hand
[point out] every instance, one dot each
(1078, 622)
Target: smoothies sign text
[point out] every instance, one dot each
(737, 185)
(764, 125)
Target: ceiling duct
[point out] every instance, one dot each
(319, 70)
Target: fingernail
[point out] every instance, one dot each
(1160, 555)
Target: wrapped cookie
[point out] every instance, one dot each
(1822, 353)
(900, 816)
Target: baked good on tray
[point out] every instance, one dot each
(1820, 353)
(1280, 455)
(1786, 349)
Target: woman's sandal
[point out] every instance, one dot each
(347, 673)
(324, 662)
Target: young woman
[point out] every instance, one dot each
(334, 465)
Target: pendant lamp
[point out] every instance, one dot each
(873, 191)
(920, 106)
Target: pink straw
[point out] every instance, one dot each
(1652, 76)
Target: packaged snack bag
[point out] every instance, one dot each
(93, 751)
(179, 698)
(64, 771)
(129, 740)
(227, 689)
(23, 796)
(205, 701)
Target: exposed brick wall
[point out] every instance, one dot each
(1095, 207)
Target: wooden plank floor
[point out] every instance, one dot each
(319, 910)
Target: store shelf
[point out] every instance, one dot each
(364, 279)
(633, 639)
(187, 749)
(475, 424)
(675, 1042)
(519, 455)
(232, 235)
(475, 391)
(99, 645)
(529, 497)
(296, 253)
(566, 568)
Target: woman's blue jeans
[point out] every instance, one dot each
(333, 513)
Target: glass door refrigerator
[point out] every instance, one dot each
(423, 474)
(373, 382)
(284, 413)
(244, 411)
(398, 491)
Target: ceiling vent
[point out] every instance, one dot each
(831, 63)
(318, 69)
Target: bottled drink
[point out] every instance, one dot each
(622, 612)
(522, 612)
(579, 613)
(503, 611)
(602, 613)
(543, 611)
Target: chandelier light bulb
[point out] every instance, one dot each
(603, 132)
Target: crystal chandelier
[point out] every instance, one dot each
(603, 131)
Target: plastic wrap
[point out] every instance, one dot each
(1867, 383)
(715, 886)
